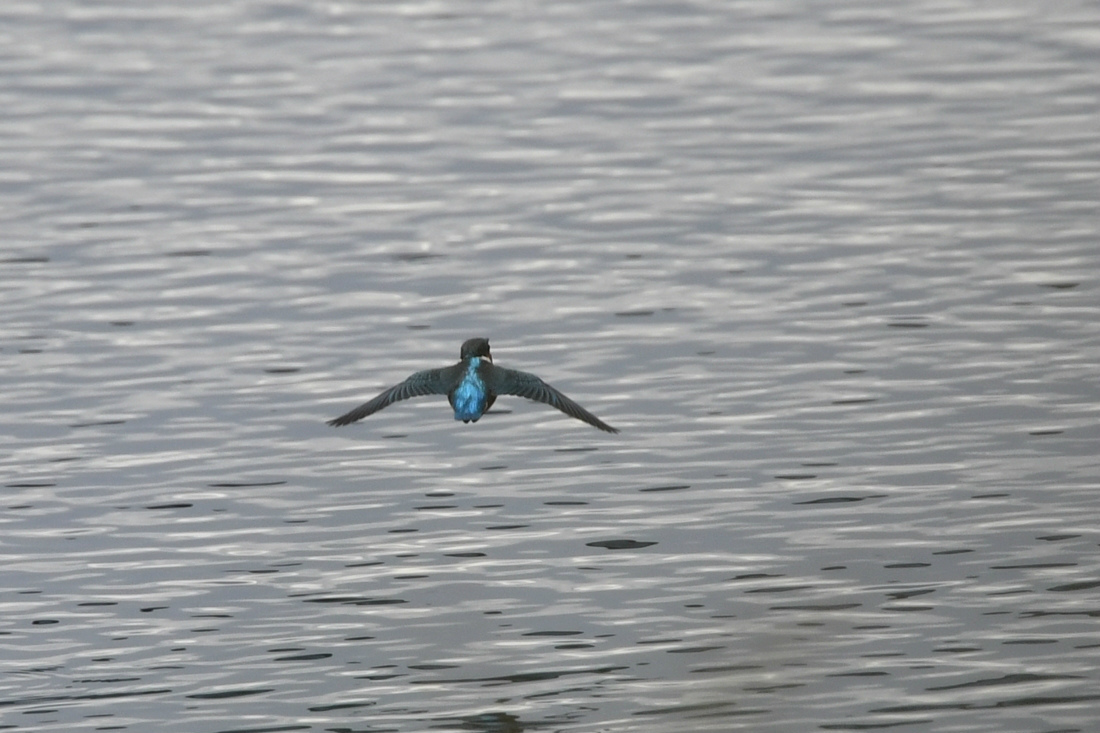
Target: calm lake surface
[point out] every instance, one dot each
(832, 268)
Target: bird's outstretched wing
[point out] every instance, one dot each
(524, 384)
(429, 381)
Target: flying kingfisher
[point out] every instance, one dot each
(471, 386)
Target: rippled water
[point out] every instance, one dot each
(831, 268)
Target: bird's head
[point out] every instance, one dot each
(476, 347)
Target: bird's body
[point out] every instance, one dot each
(471, 386)
(471, 397)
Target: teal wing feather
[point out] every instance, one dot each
(427, 382)
(524, 384)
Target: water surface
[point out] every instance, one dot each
(831, 269)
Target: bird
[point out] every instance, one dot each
(472, 386)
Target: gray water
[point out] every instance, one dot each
(830, 267)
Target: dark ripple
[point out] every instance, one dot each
(620, 544)
(355, 600)
(224, 694)
(670, 487)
